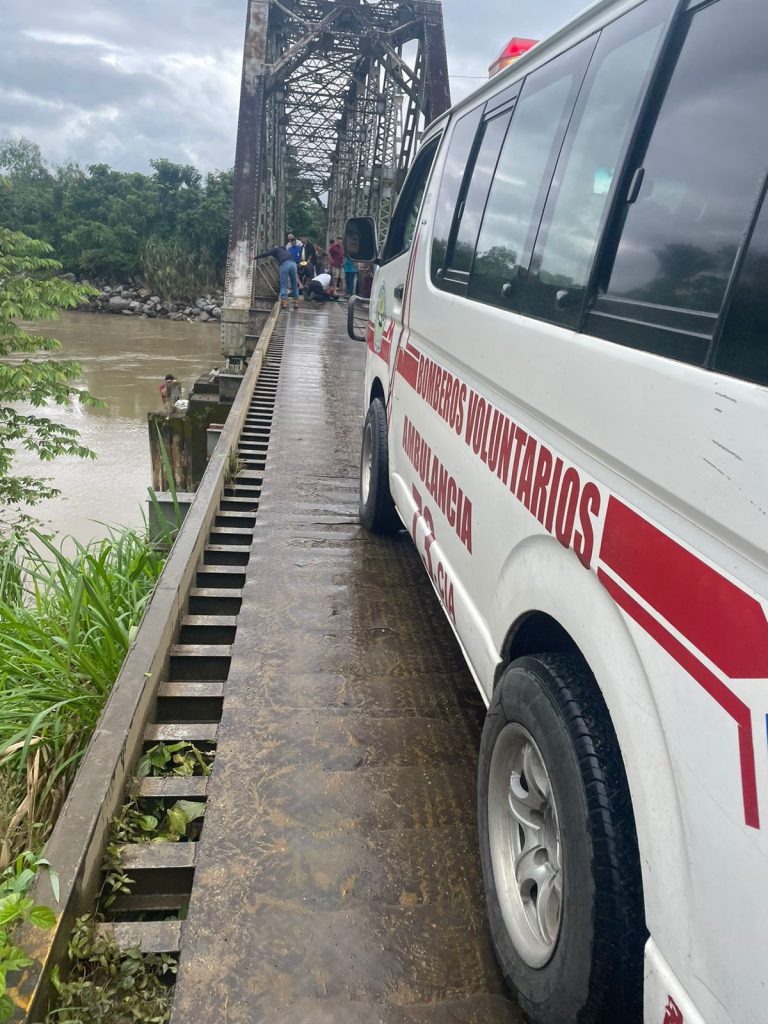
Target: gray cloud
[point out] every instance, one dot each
(122, 83)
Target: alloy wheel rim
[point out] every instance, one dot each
(525, 845)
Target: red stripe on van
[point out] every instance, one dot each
(727, 700)
(407, 367)
(386, 344)
(726, 624)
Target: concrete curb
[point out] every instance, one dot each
(76, 846)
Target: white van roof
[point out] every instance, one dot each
(592, 18)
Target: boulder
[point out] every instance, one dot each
(118, 304)
(204, 317)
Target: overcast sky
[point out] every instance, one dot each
(122, 81)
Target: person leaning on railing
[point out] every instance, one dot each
(288, 275)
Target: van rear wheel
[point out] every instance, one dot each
(377, 509)
(558, 847)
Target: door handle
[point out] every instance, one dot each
(399, 291)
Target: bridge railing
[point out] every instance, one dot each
(75, 849)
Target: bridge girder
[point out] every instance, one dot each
(342, 89)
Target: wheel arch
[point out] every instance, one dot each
(377, 391)
(567, 611)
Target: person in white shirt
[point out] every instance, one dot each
(321, 288)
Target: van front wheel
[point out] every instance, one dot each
(558, 847)
(377, 509)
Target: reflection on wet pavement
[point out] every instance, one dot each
(338, 876)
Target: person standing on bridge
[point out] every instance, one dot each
(336, 254)
(288, 274)
(350, 275)
(308, 263)
(295, 248)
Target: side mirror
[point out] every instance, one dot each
(358, 312)
(360, 241)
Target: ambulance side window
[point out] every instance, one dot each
(457, 160)
(590, 163)
(743, 347)
(522, 178)
(469, 212)
(406, 216)
(693, 190)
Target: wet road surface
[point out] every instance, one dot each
(338, 879)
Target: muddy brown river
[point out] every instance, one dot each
(123, 360)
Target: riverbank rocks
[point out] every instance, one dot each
(136, 300)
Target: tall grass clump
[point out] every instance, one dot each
(66, 622)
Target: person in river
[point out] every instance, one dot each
(287, 270)
(170, 392)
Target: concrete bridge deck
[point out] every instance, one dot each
(338, 879)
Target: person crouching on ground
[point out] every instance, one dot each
(288, 276)
(321, 288)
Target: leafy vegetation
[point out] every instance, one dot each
(66, 623)
(103, 982)
(170, 227)
(110, 985)
(30, 291)
(16, 907)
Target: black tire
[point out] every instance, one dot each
(377, 509)
(594, 974)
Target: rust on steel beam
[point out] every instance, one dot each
(247, 184)
(437, 92)
(336, 95)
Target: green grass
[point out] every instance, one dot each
(66, 622)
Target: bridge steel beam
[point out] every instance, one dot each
(336, 93)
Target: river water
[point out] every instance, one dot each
(123, 360)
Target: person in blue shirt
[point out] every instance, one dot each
(288, 273)
(294, 248)
(350, 273)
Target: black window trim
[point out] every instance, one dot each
(436, 273)
(546, 182)
(453, 281)
(613, 222)
(733, 281)
(407, 193)
(598, 301)
(622, 179)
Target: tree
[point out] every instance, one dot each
(103, 223)
(29, 290)
(304, 213)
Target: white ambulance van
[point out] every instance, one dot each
(566, 402)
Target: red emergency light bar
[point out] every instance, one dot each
(514, 49)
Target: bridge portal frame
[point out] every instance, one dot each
(342, 89)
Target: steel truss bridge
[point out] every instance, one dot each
(341, 90)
